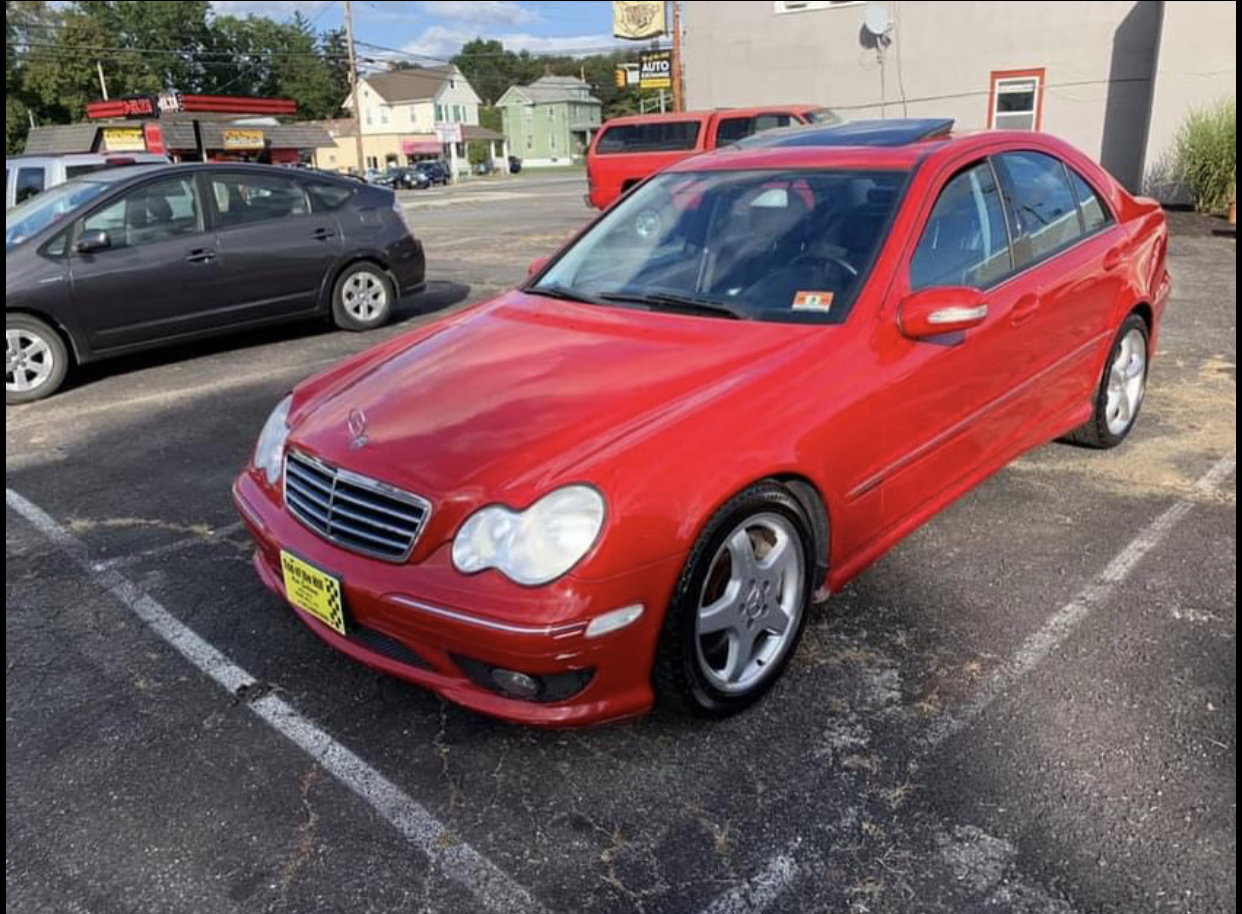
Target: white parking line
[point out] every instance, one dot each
(211, 537)
(778, 875)
(459, 862)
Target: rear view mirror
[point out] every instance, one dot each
(936, 312)
(537, 265)
(90, 242)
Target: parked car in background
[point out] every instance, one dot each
(737, 388)
(436, 171)
(627, 149)
(132, 258)
(25, 176)
(515, 165)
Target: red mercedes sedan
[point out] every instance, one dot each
(631, 478)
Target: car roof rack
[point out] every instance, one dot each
(891, 132)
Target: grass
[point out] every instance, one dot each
(1206, 155)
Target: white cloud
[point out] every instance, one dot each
(482, 12)
(272, 9)
(444, 41)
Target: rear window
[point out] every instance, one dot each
(73, 171)
(29, 182)
(656, 136)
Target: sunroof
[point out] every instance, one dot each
(892, 132)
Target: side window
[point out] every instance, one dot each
(29, 182)
(1095, 214)
(1045, 205)
(965, 242)
(732, 129)
(326, 197)
(150, 213)
(241, 199)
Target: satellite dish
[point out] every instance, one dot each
(876, 19)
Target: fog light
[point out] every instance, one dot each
(515, 683)
(614, 620)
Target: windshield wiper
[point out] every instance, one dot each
(565, 293)
(677, 300)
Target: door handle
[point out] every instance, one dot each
(1024, 309)
(1112, 258)
(323, 234)
(201, 255)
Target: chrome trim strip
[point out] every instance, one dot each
(555, 631)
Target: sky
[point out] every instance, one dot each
(438, 29)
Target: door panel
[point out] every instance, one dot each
(953, 402)
(273, 251)
(1068, 266)
(158, 276)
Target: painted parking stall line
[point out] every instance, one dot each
(495, 890)
(762, 891)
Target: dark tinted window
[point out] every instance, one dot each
(657, 136)
(72, 171)
(1094, 213)
(150, 213)
(242, 198)
(731, 129)
(1045, 205)
(29, 182)
(965, 242)
(325, 196)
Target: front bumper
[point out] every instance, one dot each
(416, 621)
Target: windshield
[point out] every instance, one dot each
(37, 213)
(766, 245)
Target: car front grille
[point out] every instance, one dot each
(359, 513)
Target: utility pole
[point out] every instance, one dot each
(677, 99)
(353, 84)
(103, 83)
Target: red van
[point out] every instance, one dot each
(627, 149)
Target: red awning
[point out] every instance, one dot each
(421, 147)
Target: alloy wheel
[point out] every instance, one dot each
(364, 295)
(752, 598)
(28, 361)
(1127, 380)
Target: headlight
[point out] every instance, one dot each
(269, 453)
(534, 546)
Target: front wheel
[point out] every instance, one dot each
(740, 606)
(362, 298)
(36, 359)
(1121, 389)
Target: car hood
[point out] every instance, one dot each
(512, 397)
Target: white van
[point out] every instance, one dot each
(25, 176)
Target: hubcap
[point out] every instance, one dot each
(365, 295)
(1127, 380)
(751, 602)
(28, 360)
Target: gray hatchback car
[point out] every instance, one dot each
(128, 259)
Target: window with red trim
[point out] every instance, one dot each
(1016, 99)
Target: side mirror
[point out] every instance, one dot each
(936, 312)
(90, 242)
(537, 265)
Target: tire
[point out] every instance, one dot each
(1121, 390)
(36, 359)
(695, 671)
(363, 297)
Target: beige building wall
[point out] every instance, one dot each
(343, 155)
(1098, 59)
(1196, 66)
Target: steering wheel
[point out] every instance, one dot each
(826, 258)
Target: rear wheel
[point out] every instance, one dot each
(740, 605)
(36, 359)
(362, 298)
(1121, 390)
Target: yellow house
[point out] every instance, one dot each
(404, 114)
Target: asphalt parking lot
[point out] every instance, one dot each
(1028, 706)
